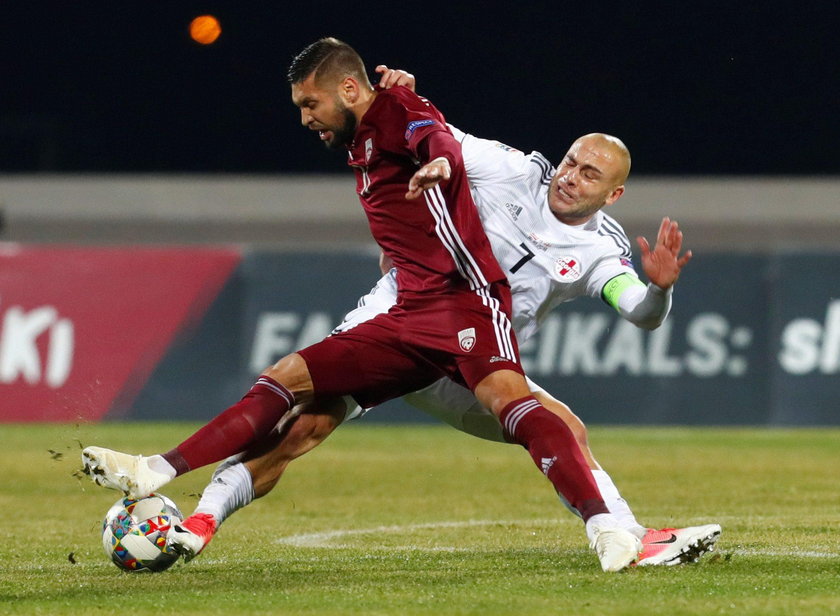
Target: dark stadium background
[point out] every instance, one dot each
(716, 88)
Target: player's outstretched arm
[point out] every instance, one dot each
(663, 264)
(646, 306)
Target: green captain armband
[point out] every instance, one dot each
(616, 286)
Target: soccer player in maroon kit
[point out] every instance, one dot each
(452, 312)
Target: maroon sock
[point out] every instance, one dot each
(234, 429)
(555, 451)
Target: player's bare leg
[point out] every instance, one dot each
(252, 474)
(554, 449)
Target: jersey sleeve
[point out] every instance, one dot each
(617, 283)
(493, 162)
(604, 271)
(438, 144)
(615, 257)
(487, 161)
(408, 120)
(644, 306)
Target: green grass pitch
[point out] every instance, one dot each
(426, 520)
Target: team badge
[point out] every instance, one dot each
(466, 339)
(568, 268)
(368, 150)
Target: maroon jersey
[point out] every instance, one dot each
(436, 241)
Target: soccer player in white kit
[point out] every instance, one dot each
(555, 244)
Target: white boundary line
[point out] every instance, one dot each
(795, 553)
(324, 539)
(327, 539)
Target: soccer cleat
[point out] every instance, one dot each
(674, 546)
(616, 548)
(121, 471)
(192, 535)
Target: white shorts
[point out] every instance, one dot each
(445, 400)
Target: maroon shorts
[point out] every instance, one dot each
(464, 335)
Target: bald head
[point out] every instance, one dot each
(611, 152)
(590, 176)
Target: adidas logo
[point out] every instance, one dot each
(515, 210)
(496, 358)
(547, 463)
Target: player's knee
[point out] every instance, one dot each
(292, 372)
(499, 389)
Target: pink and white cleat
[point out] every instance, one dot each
(675, 546)
(192, 535)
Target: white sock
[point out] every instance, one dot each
(160, 465)
(617, 505)
(230, 489)
(597, 522)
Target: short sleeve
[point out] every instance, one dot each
(487, 161)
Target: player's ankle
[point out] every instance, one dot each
(159, 464)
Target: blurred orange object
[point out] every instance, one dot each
(205, 29)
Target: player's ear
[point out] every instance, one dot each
(614, 195)
(349, 90)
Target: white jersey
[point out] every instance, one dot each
(546, 261)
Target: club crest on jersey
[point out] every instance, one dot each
(568, 268)
(412, 126)
(368, 150)
(466, 339)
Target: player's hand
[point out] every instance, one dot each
(663, 264)
(395, 77)
(428, 176)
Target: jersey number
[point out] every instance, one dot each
(528, 256)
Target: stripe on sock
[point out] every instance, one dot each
(517, 413)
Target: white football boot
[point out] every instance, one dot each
(616, 548)
(121, 471)
(675, 546)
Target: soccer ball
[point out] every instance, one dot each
(134, 533)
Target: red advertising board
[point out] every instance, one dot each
(81, 328)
